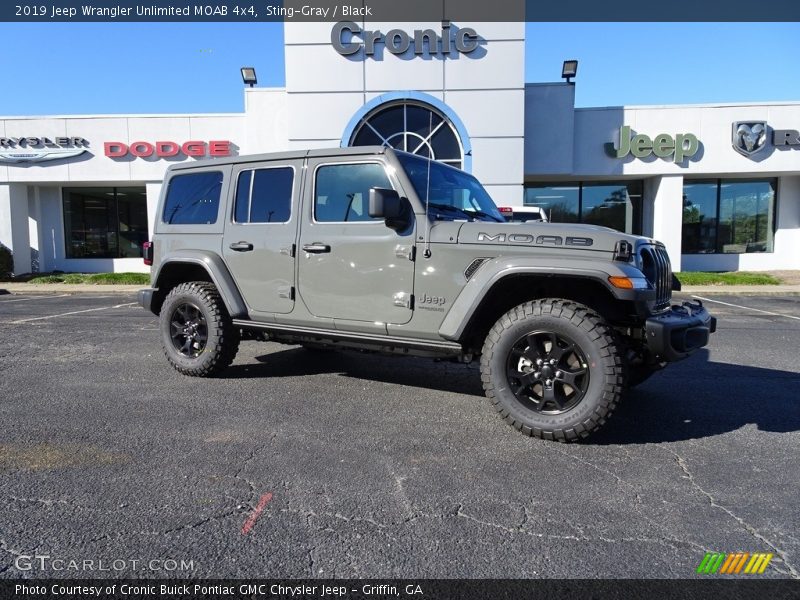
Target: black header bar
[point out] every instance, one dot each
(397, 10)
(405, 589)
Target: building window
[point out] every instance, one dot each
(193, 199)
(611, 204)
(413, 127)
(264, 196)
(105, 222)
(728, 216)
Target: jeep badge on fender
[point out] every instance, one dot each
(375, 249)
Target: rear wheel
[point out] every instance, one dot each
(552, 369)
(197, 334)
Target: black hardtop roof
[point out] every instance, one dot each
(278, 156)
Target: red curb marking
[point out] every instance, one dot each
(251, 520)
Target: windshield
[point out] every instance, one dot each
(453, 195)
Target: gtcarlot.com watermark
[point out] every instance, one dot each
(47, 563)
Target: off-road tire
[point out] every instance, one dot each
(222, 342)
(596, 341)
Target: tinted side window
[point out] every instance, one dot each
(193, 199)
(342, 191)
(268, 199)
(242, 209)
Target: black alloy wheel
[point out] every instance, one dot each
(189, 330)
(547, 372)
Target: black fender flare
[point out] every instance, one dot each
(495, 270)
(217, 271)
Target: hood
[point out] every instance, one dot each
(545, 235)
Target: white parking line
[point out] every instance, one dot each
(766, 312)
(33, 298)
(74, 312)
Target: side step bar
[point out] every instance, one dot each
(360, 339)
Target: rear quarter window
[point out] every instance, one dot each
(193, 199)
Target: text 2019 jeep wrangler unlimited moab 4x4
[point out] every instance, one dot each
(374, 249)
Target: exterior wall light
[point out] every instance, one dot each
(569, 70)
(249, 76)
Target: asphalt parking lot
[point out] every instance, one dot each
(300, 464)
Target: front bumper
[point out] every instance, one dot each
(677, 333)
(145, 298)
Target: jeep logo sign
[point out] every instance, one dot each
(348, 38)
(663, 145)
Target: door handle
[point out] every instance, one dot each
(316, 248)
(241, 246)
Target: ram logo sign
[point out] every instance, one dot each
(749, 137)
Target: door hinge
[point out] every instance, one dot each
(286, 292)
(289, 251)
(403, 300)
(407, 252)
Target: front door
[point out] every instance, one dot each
(260, 234)
(352, 267)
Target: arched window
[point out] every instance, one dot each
(411, 126)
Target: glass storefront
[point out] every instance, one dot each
(611, 204)
(728, 216)
(105, 222)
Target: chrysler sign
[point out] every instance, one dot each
(34, 149)
(349, 38)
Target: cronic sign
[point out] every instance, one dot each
(348, 38)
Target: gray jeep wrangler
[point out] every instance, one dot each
(378, 250)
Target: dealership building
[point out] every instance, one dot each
(718, 184)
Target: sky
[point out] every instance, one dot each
(100, 68)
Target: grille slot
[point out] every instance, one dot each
(657, 269)
(474, 266)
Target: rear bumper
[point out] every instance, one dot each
(677, 333)
(145, 298)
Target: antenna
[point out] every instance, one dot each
(427, 252)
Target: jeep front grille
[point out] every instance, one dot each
(656, 267)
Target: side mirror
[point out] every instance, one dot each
(384, 204)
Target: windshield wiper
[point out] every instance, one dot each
(481, 213)
(450, 208)
(470, 214)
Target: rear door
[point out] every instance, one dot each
(260, 234)
(351, 266)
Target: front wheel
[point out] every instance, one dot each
(197, 333)
(552, 369)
